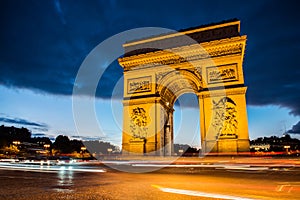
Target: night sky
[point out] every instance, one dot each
(43, 43)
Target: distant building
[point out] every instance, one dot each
(260, 147)
(275, 144)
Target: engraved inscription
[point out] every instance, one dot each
(138, 85)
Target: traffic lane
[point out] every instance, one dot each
(239, 185)
(157, 185)
(24, 185)
(121, 185)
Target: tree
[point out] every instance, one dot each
(41, 141)
(76, 145)
(10, 134)
(62, 144)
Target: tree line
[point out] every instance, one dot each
(12, 137)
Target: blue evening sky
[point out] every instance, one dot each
(55, 112)
(44, 43)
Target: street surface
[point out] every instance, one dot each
(100, 182)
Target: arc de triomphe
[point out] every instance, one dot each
(206, 61)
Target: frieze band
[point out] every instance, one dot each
(220, 74)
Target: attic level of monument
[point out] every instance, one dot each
(206, 61)
(216, 48)
(199, 34)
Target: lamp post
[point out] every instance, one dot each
(109, 150)
(287, 148)
(82, 151)
(16, 143)
(180, 151)
(47, 146)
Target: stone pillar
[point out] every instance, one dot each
(167, 151)
(144, 123)
(202, 122)
(172, 131)
(223, 121)
(168, 139)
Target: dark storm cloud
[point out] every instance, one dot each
(295, 129)
(24, 122)
(43, 43)
(272, 57)
(84, 138)
(43, 128)
(39, 135)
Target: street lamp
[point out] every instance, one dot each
(16, 143)
(47, 146)
(180, 151)
(287, 148)
(82, 150)
(109, 150)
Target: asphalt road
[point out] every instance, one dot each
(186, 183)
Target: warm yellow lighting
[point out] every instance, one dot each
(16, 142)
(83, 148)
(154, 80)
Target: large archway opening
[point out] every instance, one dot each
(178, 91)
(186, 129)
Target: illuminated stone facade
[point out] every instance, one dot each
(206, 61)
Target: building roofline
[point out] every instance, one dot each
(190, 30)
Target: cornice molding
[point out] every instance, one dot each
(222, 92)
(185, 54)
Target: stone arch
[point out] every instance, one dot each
(178, 82)
(153, 79)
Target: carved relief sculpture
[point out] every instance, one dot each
(138, 123)
(225, 118)
(222, 73)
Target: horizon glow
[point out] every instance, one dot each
(56, 112)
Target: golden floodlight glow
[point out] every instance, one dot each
(206, 61)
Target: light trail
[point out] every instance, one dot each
(218, 166)
(199, 194)
(41, 168)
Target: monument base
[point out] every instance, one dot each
(226, 146)
(137, 146)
